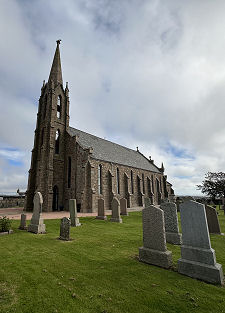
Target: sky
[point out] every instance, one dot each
(142, 73)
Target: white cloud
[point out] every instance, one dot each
(147, 73)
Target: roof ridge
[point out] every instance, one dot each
(103, 139)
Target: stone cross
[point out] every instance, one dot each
(212, 219)
(101, 210)
(116, 211)
(37, 225)
(65, 229)
(123, 207)
(154, 250)
(23, 222)
(171, 223)
(73, 213)
(198, 259)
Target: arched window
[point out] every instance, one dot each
(55, 202)
(42, 136)
(57, 138)
(45, 107)
(153, 189)
(160, 183)
(143, 182)
(132, 181)
(118, 180)
(149, 186)
(100, 179)
(69, 172)
(59, 106)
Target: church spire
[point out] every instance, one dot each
(56, 71)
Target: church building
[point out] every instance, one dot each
(68, 163)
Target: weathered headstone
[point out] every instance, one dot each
(73, 213)
(101, 210)
(198, 259)
(171, 223)
(147, 202)
(212, 219)
(23, 222)
(123, 207)
(37, 225)
(116, 211)
(65, 229)
(154, 250)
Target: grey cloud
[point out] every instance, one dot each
(143, 73)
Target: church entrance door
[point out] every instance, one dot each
(55, 202)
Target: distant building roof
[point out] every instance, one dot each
(111, 152)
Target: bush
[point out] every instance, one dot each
(5, 224)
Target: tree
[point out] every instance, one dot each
(213, 185)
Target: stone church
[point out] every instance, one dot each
(68, 163)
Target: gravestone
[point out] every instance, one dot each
(23, 222)
(212, 220)
(101, 210)
(116, 211)
(65, 229)
(147, 202)
(73, 213)
(171, 223)
(198, 259)
(154, 250)
(37, 225)
(123, 207)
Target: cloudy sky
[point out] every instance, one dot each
(144, 73)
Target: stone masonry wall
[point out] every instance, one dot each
(110, 169)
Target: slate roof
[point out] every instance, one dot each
(111, 152)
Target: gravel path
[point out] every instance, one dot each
(14, 213)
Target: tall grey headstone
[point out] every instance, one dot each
(116, 211)
(65, 229)
(73, 213)
(171, 223)
(101, 210)
(212, 220)
(154, 250)
(23, 222)
(123, 207)
(198, 259)
(37, 225)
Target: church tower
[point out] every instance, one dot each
(46, 173)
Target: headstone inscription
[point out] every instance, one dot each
(73, 213)
(154, 250)
(23, 222)
(101, 210)
(116, 211)
(198, 259)
(65, 229)
(123, 207)
(37, 225)
(171, 223)
(212, 220)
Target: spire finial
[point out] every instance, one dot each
(56, 71)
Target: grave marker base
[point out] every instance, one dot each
(101, 218)
(155, 257)
(116, 220)
(37, 229)
(209, 273)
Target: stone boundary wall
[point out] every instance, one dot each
(9, 202)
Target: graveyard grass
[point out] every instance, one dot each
(98, 271)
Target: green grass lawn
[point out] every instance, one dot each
(98, 271)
